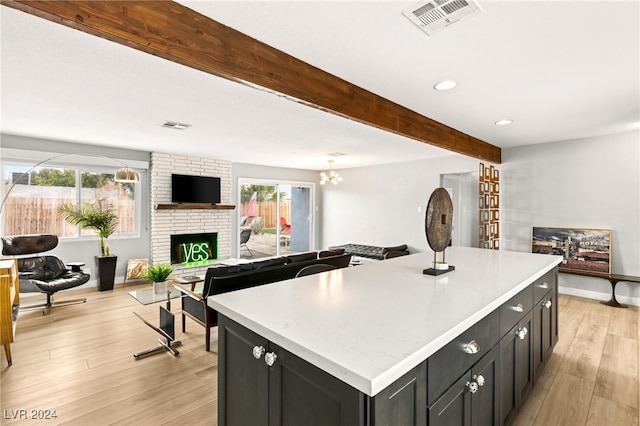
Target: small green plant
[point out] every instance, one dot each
(159, 272)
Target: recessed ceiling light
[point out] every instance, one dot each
(445, 85)
(175, 125)
(503, 122)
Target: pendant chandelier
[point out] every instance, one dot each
(331, 176)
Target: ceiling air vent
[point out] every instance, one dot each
(175, 125)
(436, 15)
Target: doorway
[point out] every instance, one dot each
(463, 188)
(274, 218)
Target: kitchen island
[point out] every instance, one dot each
(348, 340)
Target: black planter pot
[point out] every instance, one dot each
(106, 272)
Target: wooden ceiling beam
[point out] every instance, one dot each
(179, 34)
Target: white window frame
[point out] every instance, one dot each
(278, 182)
(80, 163)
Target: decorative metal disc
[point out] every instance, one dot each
(438, 221)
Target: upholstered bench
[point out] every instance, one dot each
(373, 252)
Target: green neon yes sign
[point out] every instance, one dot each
(195, 252)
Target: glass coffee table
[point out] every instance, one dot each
(167, 342)
(147, 296)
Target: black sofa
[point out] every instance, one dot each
(373, 252)
(223, 279)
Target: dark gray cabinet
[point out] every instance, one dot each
(403, 402)
(260, 383)
(473, 399)
(545, 324)
(481, 377)
(242, 380)
(516, 367)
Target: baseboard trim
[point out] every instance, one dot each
(597, 295)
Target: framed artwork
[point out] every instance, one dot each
(582, 249)
(137, 269)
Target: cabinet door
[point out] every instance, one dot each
(243, 397)
(543, 331)
(553, 323)
(524, 363)
(485, 402)
(516, 367)
(473, 399)
(453, 408)
(404, 402)
(302, 394)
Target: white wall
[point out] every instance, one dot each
(379, 205)
(586, 183)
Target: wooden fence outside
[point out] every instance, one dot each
(40, 215)
(267, 211)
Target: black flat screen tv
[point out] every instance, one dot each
(195, 189)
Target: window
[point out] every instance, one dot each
(32, 204)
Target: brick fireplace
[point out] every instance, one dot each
(165, 223)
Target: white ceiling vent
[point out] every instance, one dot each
(175, 125)
(436, 15)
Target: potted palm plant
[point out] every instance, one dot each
(159, 275)
(104, 221)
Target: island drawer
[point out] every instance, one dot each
(451, 361)
(543, 284)
(513, 310)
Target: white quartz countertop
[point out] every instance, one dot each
(368, 325)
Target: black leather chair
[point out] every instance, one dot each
(42, 273)
(314, 269)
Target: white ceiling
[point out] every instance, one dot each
(560, 70)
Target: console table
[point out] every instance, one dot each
(613, 279)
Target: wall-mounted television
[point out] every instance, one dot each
(195, 189)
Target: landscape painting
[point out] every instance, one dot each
(583, 249)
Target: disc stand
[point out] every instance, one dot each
(435, 270)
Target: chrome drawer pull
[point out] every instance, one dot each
(472, 347)
(547, 304)
(479, 379)
(519, 308)
(522, 333)
(544, 285)
(270, 358)
(476, 383)
(258, 351)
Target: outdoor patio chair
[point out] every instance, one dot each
(245, 234)
(284, 226)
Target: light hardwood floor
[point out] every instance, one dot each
(78, 361)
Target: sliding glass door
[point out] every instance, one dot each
(274, 218)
